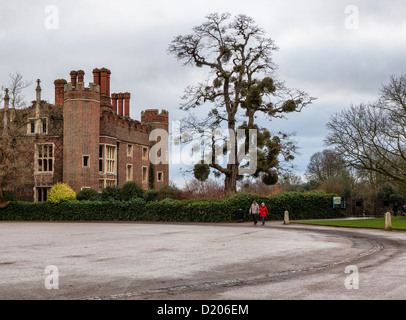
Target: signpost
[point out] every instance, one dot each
(336, 202)
(339, 202)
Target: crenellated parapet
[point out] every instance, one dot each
(81, 92)
(153, 115)
(110, 122)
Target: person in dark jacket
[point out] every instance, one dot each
(395, 209)
(403, 210)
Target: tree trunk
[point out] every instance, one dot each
(230, 183)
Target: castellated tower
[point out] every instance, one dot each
(81, 124)
(159, 120)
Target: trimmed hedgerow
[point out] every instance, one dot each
(300, 206)
(88, 194)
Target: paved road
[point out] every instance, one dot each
(199, 261)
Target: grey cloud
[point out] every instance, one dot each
(317, 54)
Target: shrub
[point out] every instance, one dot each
(131, 190)
(60, 192)
(150, 195)
(110, 193)
(169, 192)
(88, 194)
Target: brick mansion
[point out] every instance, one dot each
(85, 139)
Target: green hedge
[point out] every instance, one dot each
(300, 206)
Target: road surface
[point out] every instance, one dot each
(178, 261)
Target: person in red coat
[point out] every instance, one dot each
(263, 211)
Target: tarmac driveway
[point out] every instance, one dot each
(57, 260)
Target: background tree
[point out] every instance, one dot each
(241, 85)
(371, 137)
(326, 165)
(13, 173)
(388, 192)
(330, 173)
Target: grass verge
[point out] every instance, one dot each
(398, 223)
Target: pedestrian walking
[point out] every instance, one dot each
(403, 213)
(254, 210)
(263, 211)
(395, 209)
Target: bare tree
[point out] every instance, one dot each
(13, 141)
(372, 137)
(326, 165)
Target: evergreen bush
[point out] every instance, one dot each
(131, 190)
(110, 193)
(60, 192)
(88, 194)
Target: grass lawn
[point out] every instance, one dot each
(398, 223)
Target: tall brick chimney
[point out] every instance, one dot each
(114, 98)
(73, 78)
(108, 83)
(59, 91)
(127, 97)
(105, 87)
(120, 104)
(81, 75)
(96, 76)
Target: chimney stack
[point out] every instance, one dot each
(108, 83)
(114, 97)
(127, 97)
(120, 104)
(59, 91)
(81, 75)
(73, 78)
(105, 100)
(96, 76)
(103, 81)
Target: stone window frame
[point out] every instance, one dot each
(130, 150)
(111, 159)
(88, 161)
(42, 125)
(37, 158)
(145, 152)
(108, 162)
(162, 176)
(144, 175)
(41, 189)
(38, 126)
(129, 172)
(31, 122)
(106, 183)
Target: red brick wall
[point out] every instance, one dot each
(158, 120)
(81, 118)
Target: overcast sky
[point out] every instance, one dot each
(338, 51)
